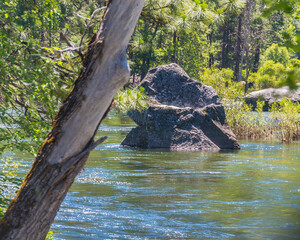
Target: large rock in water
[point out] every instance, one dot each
(272, 95)
(183, 114)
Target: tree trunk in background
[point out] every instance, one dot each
(247, 71)
(211, 55)
(238, 49)
(174, 58)
(144, 68)
(241, 65)
(224, 47)
(256, 58)
(250, 6)
(245, 43)
(71, 139)
(211, 60)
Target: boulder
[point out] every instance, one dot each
(272, 95)
(183, 114)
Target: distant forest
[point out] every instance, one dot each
(43, 44)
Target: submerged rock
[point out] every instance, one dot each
(272, 95)
(183, 114)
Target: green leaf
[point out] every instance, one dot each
(142, 89)
(219, 11)
(141, 41)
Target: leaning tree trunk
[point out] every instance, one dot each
(68, 145)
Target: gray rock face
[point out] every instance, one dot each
(183, 114)
(272, 95)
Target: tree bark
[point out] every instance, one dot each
(256, 57)
(211, 55)
(224, 47)
(250, 6)
(71, 139)
(241, 65)
(174, 57)
(238, 48)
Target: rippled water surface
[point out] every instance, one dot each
(127, 193)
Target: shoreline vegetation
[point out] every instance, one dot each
(280, 123)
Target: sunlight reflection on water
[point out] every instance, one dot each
(128, 193)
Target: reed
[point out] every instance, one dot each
(281, 123)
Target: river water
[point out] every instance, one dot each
(127, 193)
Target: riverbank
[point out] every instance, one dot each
(281, 123)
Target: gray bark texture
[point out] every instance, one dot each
(67, 146)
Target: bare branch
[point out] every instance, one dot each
(89, 23)
(71, 46)
(78, 15)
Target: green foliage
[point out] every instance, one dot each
(276, 54)
(40, 49)
(221, 81)
(280, 5)
(50, 236)
(289, 36)
(200, 34)
(270, 74)
(294, 63)
(283, 123)
(171, 31)
(233, 5)
(131, 98)
(244, 123)
(9, 182)
(293, 73)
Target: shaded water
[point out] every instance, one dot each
(138, 194)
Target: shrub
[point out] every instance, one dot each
(131, 98)
(282, 123)
(276, 54)
(270, 74)
(221, 81)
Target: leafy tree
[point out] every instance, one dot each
(38, 64)
(276, 54)
(271, 74)
(221, 81)
(200, 34)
